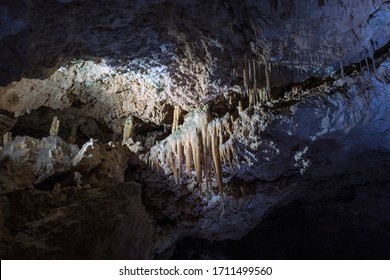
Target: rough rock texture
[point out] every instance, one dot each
(71, 223)
(340, 137)
(53, 206)
(311, 34)
(321, 130)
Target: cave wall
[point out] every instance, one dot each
(321, 128)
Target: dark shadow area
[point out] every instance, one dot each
(302, 230)
(72, 36)
(37, 124)
(48, 184)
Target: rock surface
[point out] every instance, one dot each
(306, 85)
(70, 223)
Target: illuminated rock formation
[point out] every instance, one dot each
(175, 112)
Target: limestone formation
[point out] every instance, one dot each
(195, 144)
(55, 127)
(128, 129)
(176, 118)
(7, 138)
(175, 112)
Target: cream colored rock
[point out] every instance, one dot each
(128, 129)
(55, 127)
(7, 138)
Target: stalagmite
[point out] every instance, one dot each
(55, 127)
(239, 107)
(7, 138)
(128, 129)
(251, 97)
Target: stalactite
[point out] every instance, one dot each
(250, 72)
(180, 158)
(227, 148)
(176, 118)
(367, 65)
(196, 153)
(214, 134)
(245, 81)
(203, 122)
(227, 153)
(172, 151)
(256, 97)
(128, 129)
(228, 123)
(254, 75)
(342, 69)
(197, 142)
(371, 54)
(55, 127)
(267, 78)
(251, 97)
(261, 96)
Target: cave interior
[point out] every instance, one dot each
(177, 129)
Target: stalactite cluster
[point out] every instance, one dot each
(256, 74)
(253, 86)
(199, 144)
